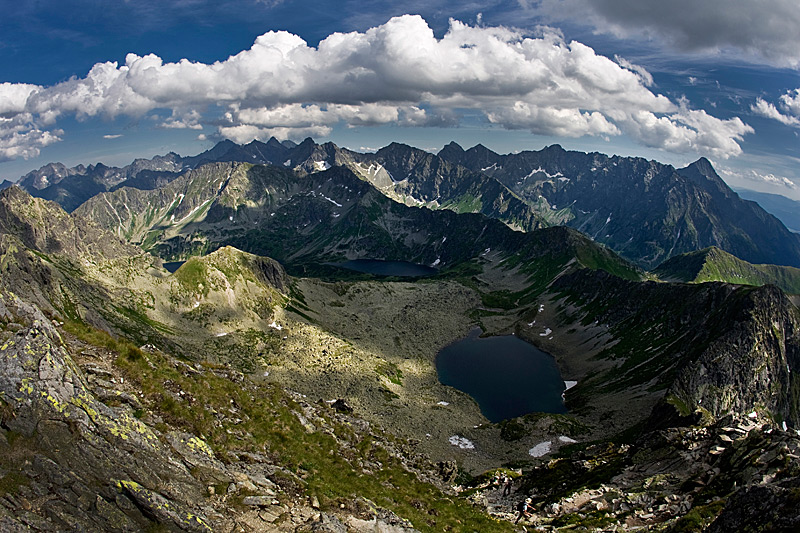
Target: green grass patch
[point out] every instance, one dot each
(698, 518)
(391, 371)
(193, 276)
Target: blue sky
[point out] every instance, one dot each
(83, 81)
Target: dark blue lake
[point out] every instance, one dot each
(388, 268)
(172, 266)
(508, 377)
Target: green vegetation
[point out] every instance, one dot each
(698, 518)
(713, 264)
(465, 203)
(193, 276)
(391, 371)
(268, 424)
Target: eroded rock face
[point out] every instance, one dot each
(70, 462)
(750, 366)
(770, 507)
(75, 440)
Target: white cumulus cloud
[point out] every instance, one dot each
(762, 178)
(789, 113)
(396, 73)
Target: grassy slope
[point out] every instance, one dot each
(713, 264)
(269, 424)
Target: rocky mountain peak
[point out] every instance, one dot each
(451, 149)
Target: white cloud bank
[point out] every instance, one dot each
(397, 73)
(758, 178)
(789, 113)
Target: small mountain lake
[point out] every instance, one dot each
(508, 377)
(172, 266)
(387, 268)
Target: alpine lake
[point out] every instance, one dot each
(506, 376)
(401, 269)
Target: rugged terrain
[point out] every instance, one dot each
(230, 395)
(645, 211)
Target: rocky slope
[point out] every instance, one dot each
(70, 187)
(644, 210)
(90, 444)
(305, 221)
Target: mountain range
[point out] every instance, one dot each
(645, 211)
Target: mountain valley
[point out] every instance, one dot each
(259, 387)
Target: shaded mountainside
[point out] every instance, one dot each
(416, 177)
(713, 347)
(326, 216)
(644, 210)
(713, 264)
(70, 187)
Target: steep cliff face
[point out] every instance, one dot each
(644, 210)
(752, 364)
(715, 348)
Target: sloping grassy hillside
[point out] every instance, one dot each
(713, 264)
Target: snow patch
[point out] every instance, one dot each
(543, 448)
(222, 334)
(322, 165)
(542, 171)
(435, 263)
(569, 384)
(275, 325)
(334, 202)
(547, 331)
(443, 403)
(287, 163)
(566, 440)
(462, 442)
